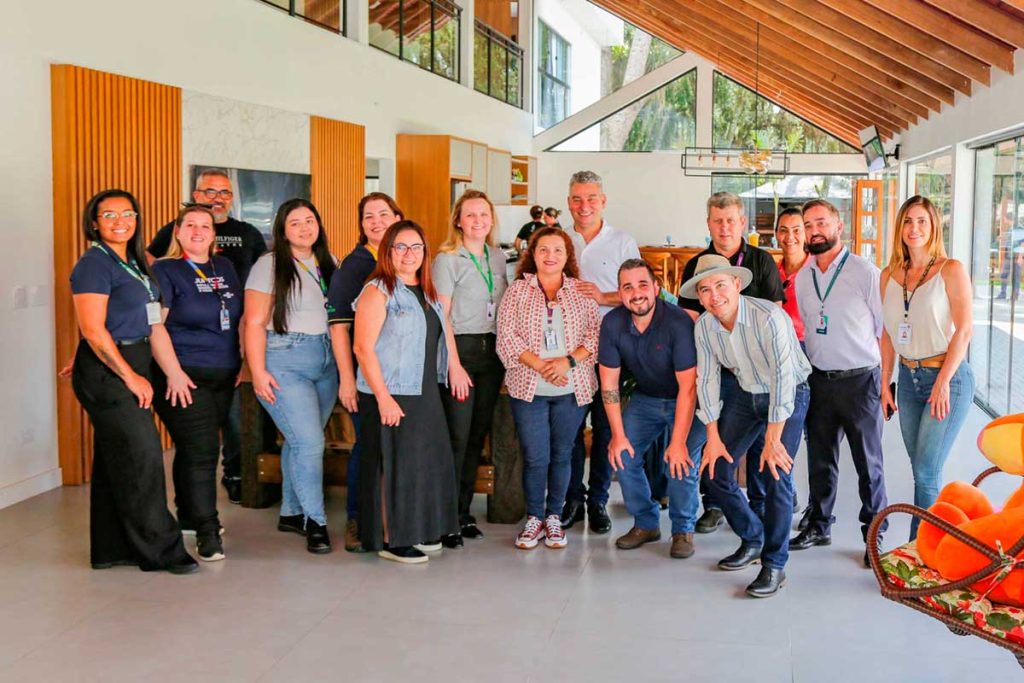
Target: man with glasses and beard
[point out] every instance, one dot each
(653, 341)
(241, 243)
(840, 304)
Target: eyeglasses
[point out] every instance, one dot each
(402, 248)
(211, 193)
(114, 215)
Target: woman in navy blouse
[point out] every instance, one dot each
(117, 304)
(202, 306)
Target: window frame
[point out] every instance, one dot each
(341, 30)
(494, 39)
(543, 75)
(445, 6)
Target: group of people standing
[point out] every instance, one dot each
(752, 355)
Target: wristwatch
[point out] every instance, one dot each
(572, 361)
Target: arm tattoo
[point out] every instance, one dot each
(110, 362)
(611, 396)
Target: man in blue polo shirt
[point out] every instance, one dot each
(652, 341)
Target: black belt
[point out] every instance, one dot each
(844, 374)
(132, 342)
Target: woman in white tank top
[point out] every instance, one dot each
(926, 310)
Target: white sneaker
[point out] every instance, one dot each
(531, 534)
(554, 537)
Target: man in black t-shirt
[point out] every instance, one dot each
(241, 243)
(727, 224)
(536, 223)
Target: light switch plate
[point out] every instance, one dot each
(20, 297)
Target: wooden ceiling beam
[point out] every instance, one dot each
(914, 38)
(1016, 4)
(942, 26)
(793, 54)
(987, 18)
(856, 31)
(884, 71)
(813, 82)
(679, 33)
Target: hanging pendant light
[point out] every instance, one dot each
(757, 160)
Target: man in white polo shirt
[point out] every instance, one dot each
(600, 250)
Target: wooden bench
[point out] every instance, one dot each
(499, 476)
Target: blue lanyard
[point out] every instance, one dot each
(132, 269)
(835, 276)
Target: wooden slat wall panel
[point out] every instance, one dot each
(108, 131)
(337, 162)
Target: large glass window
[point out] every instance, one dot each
(933, 178)
(662, 120)
(497, 63)
(766, 198)
(327, 14)
(997, 348)
(606, 54)
(741, 118)
(424, 32)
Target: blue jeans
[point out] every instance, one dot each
(644, 419)
(600, 479)
(744, 417)
(304, 369)
(928, 440)
(352, 473)
(547, 428)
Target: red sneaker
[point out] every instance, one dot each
(554, 537)
(531, 534)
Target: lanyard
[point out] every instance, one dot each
(216, 287)
(318, 277)
(132, 269)
(739, 260)
(489, 277)
(549, 304)
(814, 276)
(907, 299)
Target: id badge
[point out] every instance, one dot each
(225, 320)
(153, 313)
(903, 333)
(550, 339)
(822, 327)
(490, 311)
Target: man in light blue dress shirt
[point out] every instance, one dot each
(755, 340)
(841, 307)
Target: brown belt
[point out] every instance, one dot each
(933, 362)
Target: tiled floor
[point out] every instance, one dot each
(273, 612)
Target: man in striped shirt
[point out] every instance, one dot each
(755, 340)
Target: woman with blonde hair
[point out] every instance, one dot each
(469, 273)
(926, 306)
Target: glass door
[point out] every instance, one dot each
(867, 220)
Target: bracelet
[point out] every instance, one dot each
(572, 361)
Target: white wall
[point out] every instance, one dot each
(648, 193)
(241, 50)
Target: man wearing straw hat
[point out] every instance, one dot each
(755, 340)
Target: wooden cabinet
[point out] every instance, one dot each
(479, 180)
(524, 180)
(460, 159)
(499, 172)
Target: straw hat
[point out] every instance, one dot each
(713, 264)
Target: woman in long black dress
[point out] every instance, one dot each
(407, 493)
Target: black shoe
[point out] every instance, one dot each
(809, 537)
(710, 521)
(572, 512)
(185, 566)
(114, 563)
(867, 559)
(768, 582)
(471, 530)
(292, 523)
(452, 541)
(405, 555)
(210, 547)
(600, 522)
(233, 485)
(317, 540)
(805, 520)
(746, 555)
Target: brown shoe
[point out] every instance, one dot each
(682, 546)
(352, 542)
(636, 537)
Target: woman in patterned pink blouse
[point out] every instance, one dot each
(547, 340)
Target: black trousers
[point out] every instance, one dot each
(469, 421)
(129, 520)
(195, 430)
(849, 406)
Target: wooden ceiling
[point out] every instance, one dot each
(844, 64)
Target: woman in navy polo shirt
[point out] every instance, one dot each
(377, 213)
(202, 305)
(117, 305)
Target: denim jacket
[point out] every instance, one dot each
(400, 345)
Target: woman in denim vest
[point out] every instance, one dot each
(288, 350)
(407, 498)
